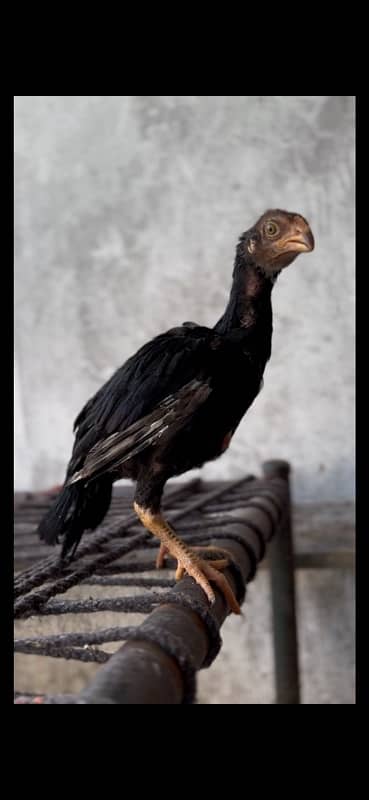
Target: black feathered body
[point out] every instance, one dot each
(168, 409)
(223, 364)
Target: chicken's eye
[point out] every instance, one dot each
(271, 228)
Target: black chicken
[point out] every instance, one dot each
(176, 404)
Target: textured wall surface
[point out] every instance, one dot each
(127, 213)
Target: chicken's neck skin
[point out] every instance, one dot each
(249, 307)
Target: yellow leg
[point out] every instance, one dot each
(217, 564)
(188, 561)
(221, 563)
(160, 558)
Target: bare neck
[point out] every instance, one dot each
(249, 306)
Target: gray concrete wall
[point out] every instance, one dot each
(127, 212)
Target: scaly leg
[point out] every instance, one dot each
(162, 554)
(201, 570)
(221, 563)
(217, 563)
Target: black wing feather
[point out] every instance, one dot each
(110, 453)
(133, 398)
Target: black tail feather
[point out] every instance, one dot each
(76, 509)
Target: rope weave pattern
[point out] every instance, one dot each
(119, 554)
